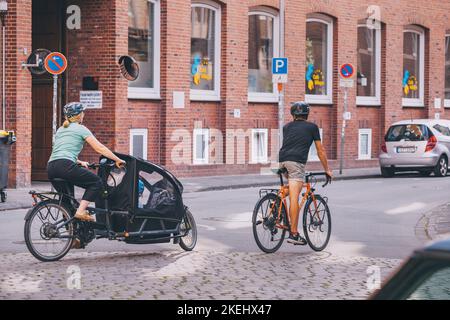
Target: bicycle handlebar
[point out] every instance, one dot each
(328, 178)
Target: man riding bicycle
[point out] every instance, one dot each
(298, 137)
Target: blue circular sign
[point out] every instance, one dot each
(347, 70)
(55, 63)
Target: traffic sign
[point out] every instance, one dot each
(346, 83)
(279, 78)
(279, 65)
(347, 70)
(55, 63)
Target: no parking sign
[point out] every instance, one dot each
(55, 63)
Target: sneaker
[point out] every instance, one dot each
(296, 239)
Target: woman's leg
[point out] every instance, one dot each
(86, 179)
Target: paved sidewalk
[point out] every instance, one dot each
(20, 199)
(191, 275)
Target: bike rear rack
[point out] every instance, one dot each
(263, 192)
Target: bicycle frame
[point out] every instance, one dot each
(283, 193)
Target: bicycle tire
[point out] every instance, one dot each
(308, 228)
(184, 245)
(271, 197)
(27, 231)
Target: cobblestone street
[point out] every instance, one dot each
(195, 275)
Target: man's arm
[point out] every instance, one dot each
(323, 157)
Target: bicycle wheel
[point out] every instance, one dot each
(189, 227)
(317, 223)
(47, 235)
(268, 237)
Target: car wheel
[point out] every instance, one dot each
(387, 172)
(441, 168)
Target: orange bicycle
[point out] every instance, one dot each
(271, 218)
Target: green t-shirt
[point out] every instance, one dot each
(69, 142)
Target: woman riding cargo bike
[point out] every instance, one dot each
(136, 201)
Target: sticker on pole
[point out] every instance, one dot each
(347, 71)
(55, 63)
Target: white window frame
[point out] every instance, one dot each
(328, 98)
(195, 160)
(446, 101)
(369, 144)
(265, 96)
(254, 152)
(139, 132)
(152, 93)
(211, 95)
(374, 100)
(315, 157)
(417, 102)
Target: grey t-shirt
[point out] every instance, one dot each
(69, 142)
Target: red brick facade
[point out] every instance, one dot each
(103, 37)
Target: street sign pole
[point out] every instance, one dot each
(55, 104)
(344, 124)
(281, 92)
(346, 72)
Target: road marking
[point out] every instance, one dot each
(209, 228)
(415, 206)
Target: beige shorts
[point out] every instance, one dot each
(295, 170)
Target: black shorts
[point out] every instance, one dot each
(76, 176)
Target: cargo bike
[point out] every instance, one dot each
(141, 203)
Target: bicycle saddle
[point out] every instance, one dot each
(282, 170)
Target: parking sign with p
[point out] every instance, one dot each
(279, 66)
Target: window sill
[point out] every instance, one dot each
(143, 94)
(364, 159)
(204, 95)
(260, 162)
(368, 101)
(415, 103)
(262, 98)
(194, 163)
(313, 99)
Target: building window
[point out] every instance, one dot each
(205, 51)
(313, 156)
(365, 144)
(413, 67)
(144, 46)
(201, 146)
(319, 59)
(369, 65)
(263, 45)
(259, 145)
(447, 71)
(138, 143)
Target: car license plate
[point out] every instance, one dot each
(406, 149)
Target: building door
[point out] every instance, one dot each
(48, 33)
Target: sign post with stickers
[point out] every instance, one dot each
(346, 72)
(55, 63)
(280, 77)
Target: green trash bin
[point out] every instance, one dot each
(6, 140)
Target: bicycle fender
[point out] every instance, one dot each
(28, 214)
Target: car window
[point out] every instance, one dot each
(436, 287)
(442, 129)
(407, 132)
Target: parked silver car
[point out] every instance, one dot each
(416, 145)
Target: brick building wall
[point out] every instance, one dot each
(103, 38)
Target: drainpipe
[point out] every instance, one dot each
(3, 12)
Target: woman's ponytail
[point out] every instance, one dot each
(66, 124)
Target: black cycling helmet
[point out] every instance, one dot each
(299, 109)
(73, 109)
